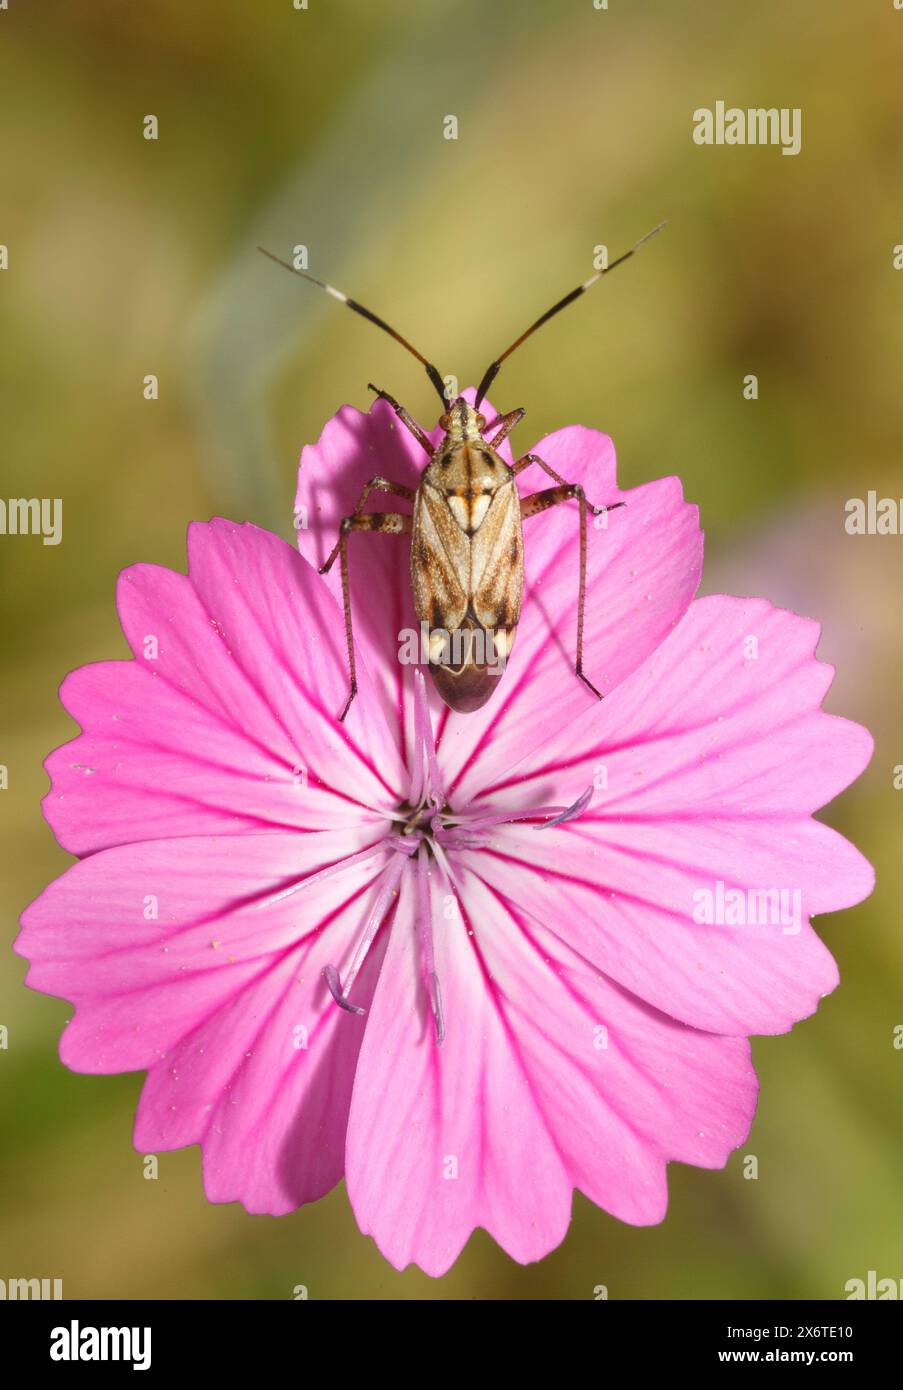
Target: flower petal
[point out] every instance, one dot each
(623, 1088)
(706, 771)
(521, 1103)
(220, 995)
(225, 722)
(264, 1084)
(444, 1139)
(147, 940)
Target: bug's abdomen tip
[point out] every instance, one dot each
(466, 690)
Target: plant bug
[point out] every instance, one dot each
(466, 526)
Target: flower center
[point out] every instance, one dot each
(419, 820)
(425, 827)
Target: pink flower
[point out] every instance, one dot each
(281, 918)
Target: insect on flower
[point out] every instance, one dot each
(467, 548)
(284, 954)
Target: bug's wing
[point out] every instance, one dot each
(440, 562)
(497, 564)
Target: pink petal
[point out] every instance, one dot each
(210, 995)
(139, 982)
(700, 726)
(417, 1109)
(520, 1096)
(624, 1089)
(270, 1114)
(713, 763)
(231, 727)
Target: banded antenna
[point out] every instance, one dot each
(431, 371)
(493, 370)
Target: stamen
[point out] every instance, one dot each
(427, 946)
(480, 823)
(571, 813)
(426, 774)
(390, 876)
(418, 765)
(439, 853)
(331, 976)
(457, 837)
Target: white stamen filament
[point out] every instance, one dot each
(388, 881)
(427, 944)
(426, 780)
(559, 815)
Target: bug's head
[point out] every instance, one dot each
(461, 421)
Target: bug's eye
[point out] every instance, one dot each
(444, 422)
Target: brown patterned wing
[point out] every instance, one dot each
(497, 564)
(440, 562)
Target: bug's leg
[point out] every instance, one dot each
(540, 502)
(404, 416)
(505, 424)
(388, 524)
(527, 459)
(522, 463)
(384, 485)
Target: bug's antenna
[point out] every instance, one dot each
(431, 371)
(492, 371)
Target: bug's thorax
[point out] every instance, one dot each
(464, 470)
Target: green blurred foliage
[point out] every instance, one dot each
(130, 257)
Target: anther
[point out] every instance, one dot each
(577, 809)
(331, 976)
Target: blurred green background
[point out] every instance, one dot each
(324, 127)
